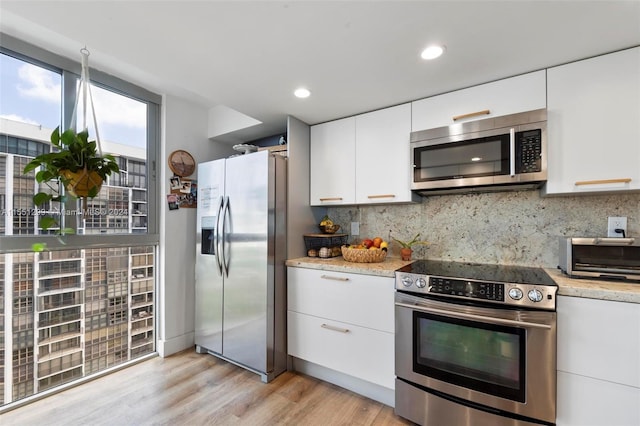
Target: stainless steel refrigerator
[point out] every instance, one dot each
(240, 313)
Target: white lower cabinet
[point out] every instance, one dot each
(357, 351)
(598, 362)
(343, 322)
(585, 401)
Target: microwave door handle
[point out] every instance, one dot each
(614, 241)
(512, 151)
(483, 318)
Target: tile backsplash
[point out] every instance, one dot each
(517, 228)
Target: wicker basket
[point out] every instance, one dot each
(363, 255)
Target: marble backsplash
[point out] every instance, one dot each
(516, 228)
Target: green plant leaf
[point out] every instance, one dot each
(55, 137)
(39, 247)
(67, 231)
(41, 198)
(32, 165)
(48, 222)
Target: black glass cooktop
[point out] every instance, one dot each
(478, 271)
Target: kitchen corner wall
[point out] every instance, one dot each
(516, 228)
(184, 127)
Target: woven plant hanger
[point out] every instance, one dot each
(84, 90)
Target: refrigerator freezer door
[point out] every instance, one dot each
(249, 188)
(209, 280)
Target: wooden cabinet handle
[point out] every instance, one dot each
(381, 196)
(331, 199)
(330, 327)
(329, 277)
(471, 114)
(603, 181)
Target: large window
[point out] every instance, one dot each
(88, 302)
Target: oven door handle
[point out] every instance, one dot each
(474, 316)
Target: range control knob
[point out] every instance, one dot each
(515, 293)
(535, 295)
(407, 281)
(421, 283)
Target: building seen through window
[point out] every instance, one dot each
(71, 312)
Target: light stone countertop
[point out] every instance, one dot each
(616, 291)
(574, 287)
(385, 268)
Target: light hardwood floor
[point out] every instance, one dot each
(194, 389)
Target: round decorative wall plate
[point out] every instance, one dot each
(182, 163)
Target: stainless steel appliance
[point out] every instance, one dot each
(508, 152)
(475, 344)
(240, 312)
(600, 258)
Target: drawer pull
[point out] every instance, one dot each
(332, 328)
(331, 199)
(329, 277)
(603, 181)
(471, 114)
(381, 196)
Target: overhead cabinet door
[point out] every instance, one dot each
(509, 96)
(383, 160)
(593, 125)
(332, 174)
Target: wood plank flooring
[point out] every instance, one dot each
(199, 389)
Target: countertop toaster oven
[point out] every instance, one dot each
(601, 258)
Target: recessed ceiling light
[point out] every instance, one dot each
(302, 93)
(476, 159)
(432, 52)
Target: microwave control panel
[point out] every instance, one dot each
(529, 151)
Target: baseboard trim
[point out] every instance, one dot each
(176, 344)
(359, 386)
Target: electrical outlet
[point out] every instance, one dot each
(355, 228)
(616, 222)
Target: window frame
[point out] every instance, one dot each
(70, 71)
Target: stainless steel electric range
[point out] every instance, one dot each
(475, 344)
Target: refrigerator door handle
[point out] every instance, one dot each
(217, 236)
(225, 213)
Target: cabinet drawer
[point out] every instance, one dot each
(357, 351)
(583, 401)
(599, 339)
(363, 300)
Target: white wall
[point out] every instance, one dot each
(184, 126)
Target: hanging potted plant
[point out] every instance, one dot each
(77, 166)
(76, 163)
(406, 250)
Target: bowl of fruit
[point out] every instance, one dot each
(327, 226)
(367, 251)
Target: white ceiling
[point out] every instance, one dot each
(354, 56)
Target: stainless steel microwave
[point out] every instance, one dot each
(493, 154)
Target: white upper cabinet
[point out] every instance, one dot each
(363, 159)
(593, 124)
(383, 160)
(332, 165)
(509, 96)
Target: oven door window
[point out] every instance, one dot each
(487, 156)
(484, 357)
